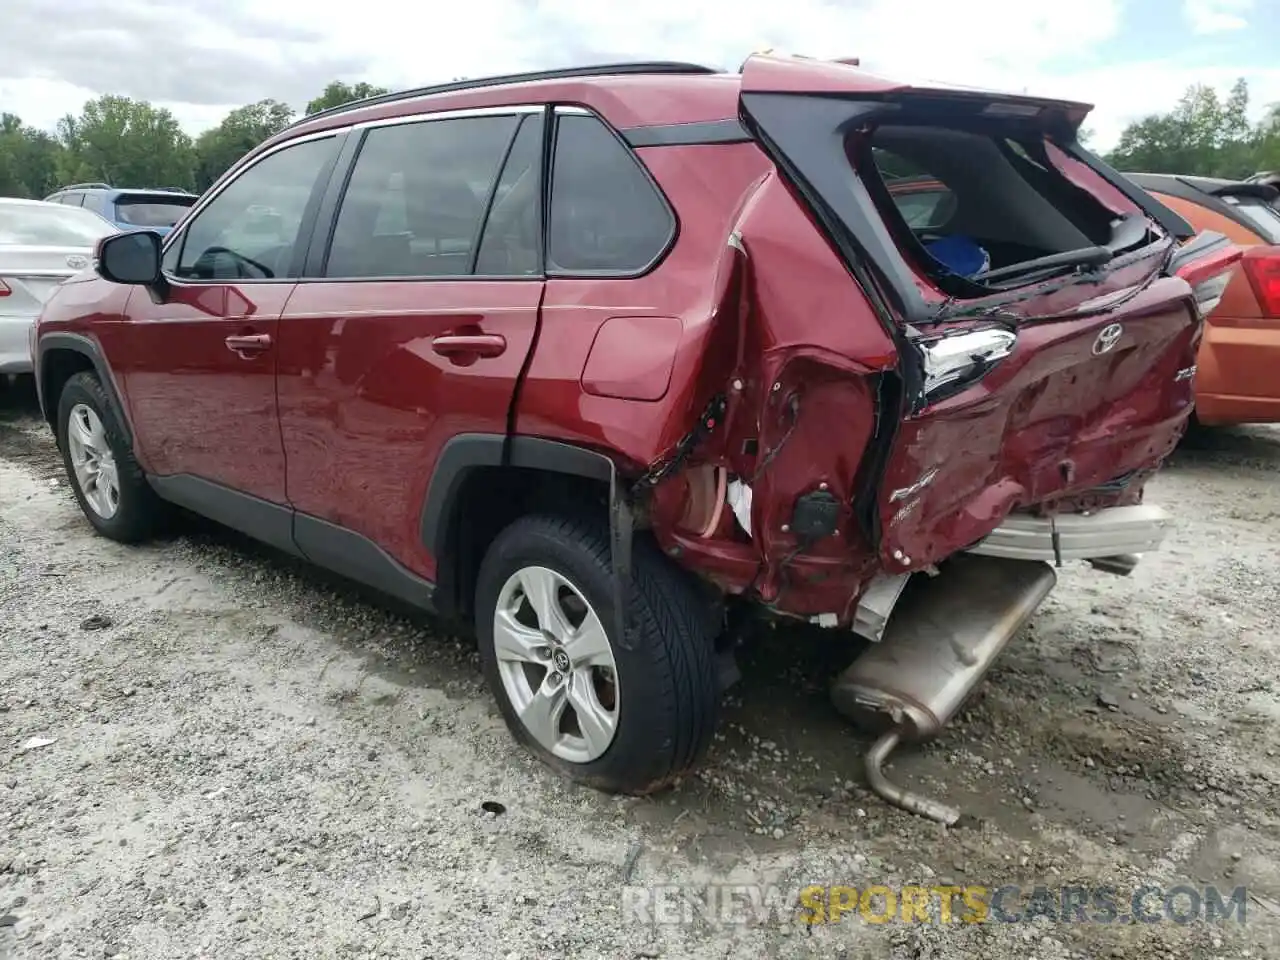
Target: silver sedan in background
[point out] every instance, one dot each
(41, 244)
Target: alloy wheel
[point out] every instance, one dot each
(93, 462)
(556, 664)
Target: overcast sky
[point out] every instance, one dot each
(202, 57)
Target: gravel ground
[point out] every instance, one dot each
(207, 750)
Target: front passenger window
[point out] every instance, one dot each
(249, 231)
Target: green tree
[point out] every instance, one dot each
(126, 142)
(338, 93)
(28, 159)
(1203, 135)
(239, 132)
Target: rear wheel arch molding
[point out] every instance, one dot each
(89, 349)
(467, 453)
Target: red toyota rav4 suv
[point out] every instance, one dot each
(578, 355)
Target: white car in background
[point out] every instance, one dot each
(41, 244)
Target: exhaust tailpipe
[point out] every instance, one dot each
(942, 638)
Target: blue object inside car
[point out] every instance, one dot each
(961, 255)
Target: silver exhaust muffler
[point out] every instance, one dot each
(943, 636)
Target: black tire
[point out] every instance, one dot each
(140, 512)
(669, 698)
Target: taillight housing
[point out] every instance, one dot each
(4, 289)
(953, 362)
(1262, 266)
(1206, 263)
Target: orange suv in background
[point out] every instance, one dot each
(1236, 367)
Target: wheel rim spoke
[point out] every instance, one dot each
(589, 645)
(596, 723)
(81, 429)
(110, 485)
(513, 641)
(542, 589)
(92, 464)
(541, 715)
(97, 434)
(86, 474)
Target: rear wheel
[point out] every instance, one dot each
(106, 479)
(622, 717)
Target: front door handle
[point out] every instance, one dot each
(246, 345)
(467, 346)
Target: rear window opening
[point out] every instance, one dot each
(1262, 216)
(982, 212)
(151, 211)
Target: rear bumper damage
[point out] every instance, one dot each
(1105, 537)
(932, 649)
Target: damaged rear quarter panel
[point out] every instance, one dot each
(803, 419)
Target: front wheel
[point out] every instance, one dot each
(621, 717)
(108, 483)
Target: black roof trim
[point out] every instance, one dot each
(568, 73)
(697, 133)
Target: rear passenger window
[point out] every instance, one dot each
(606, 215)
(511, 242)
(417, 197)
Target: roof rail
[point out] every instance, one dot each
(85, 186)
(569, 73)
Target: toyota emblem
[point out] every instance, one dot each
(77, 262)
(1107, 338)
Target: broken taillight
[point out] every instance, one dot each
(953, 362)
(1262, 267)
(1206, 264)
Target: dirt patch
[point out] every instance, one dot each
(251, 759)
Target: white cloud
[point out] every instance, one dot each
(1216, 16)
(1041, 46)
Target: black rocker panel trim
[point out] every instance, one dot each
(325, 544)
(358, 558)
(271, 523)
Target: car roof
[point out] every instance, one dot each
(630, 94)
(116, 191)
(636, 94)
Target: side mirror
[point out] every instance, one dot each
(132, 258)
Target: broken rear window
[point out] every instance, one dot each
(971, 207)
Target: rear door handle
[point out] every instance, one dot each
(469, 345)
(248, 344)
